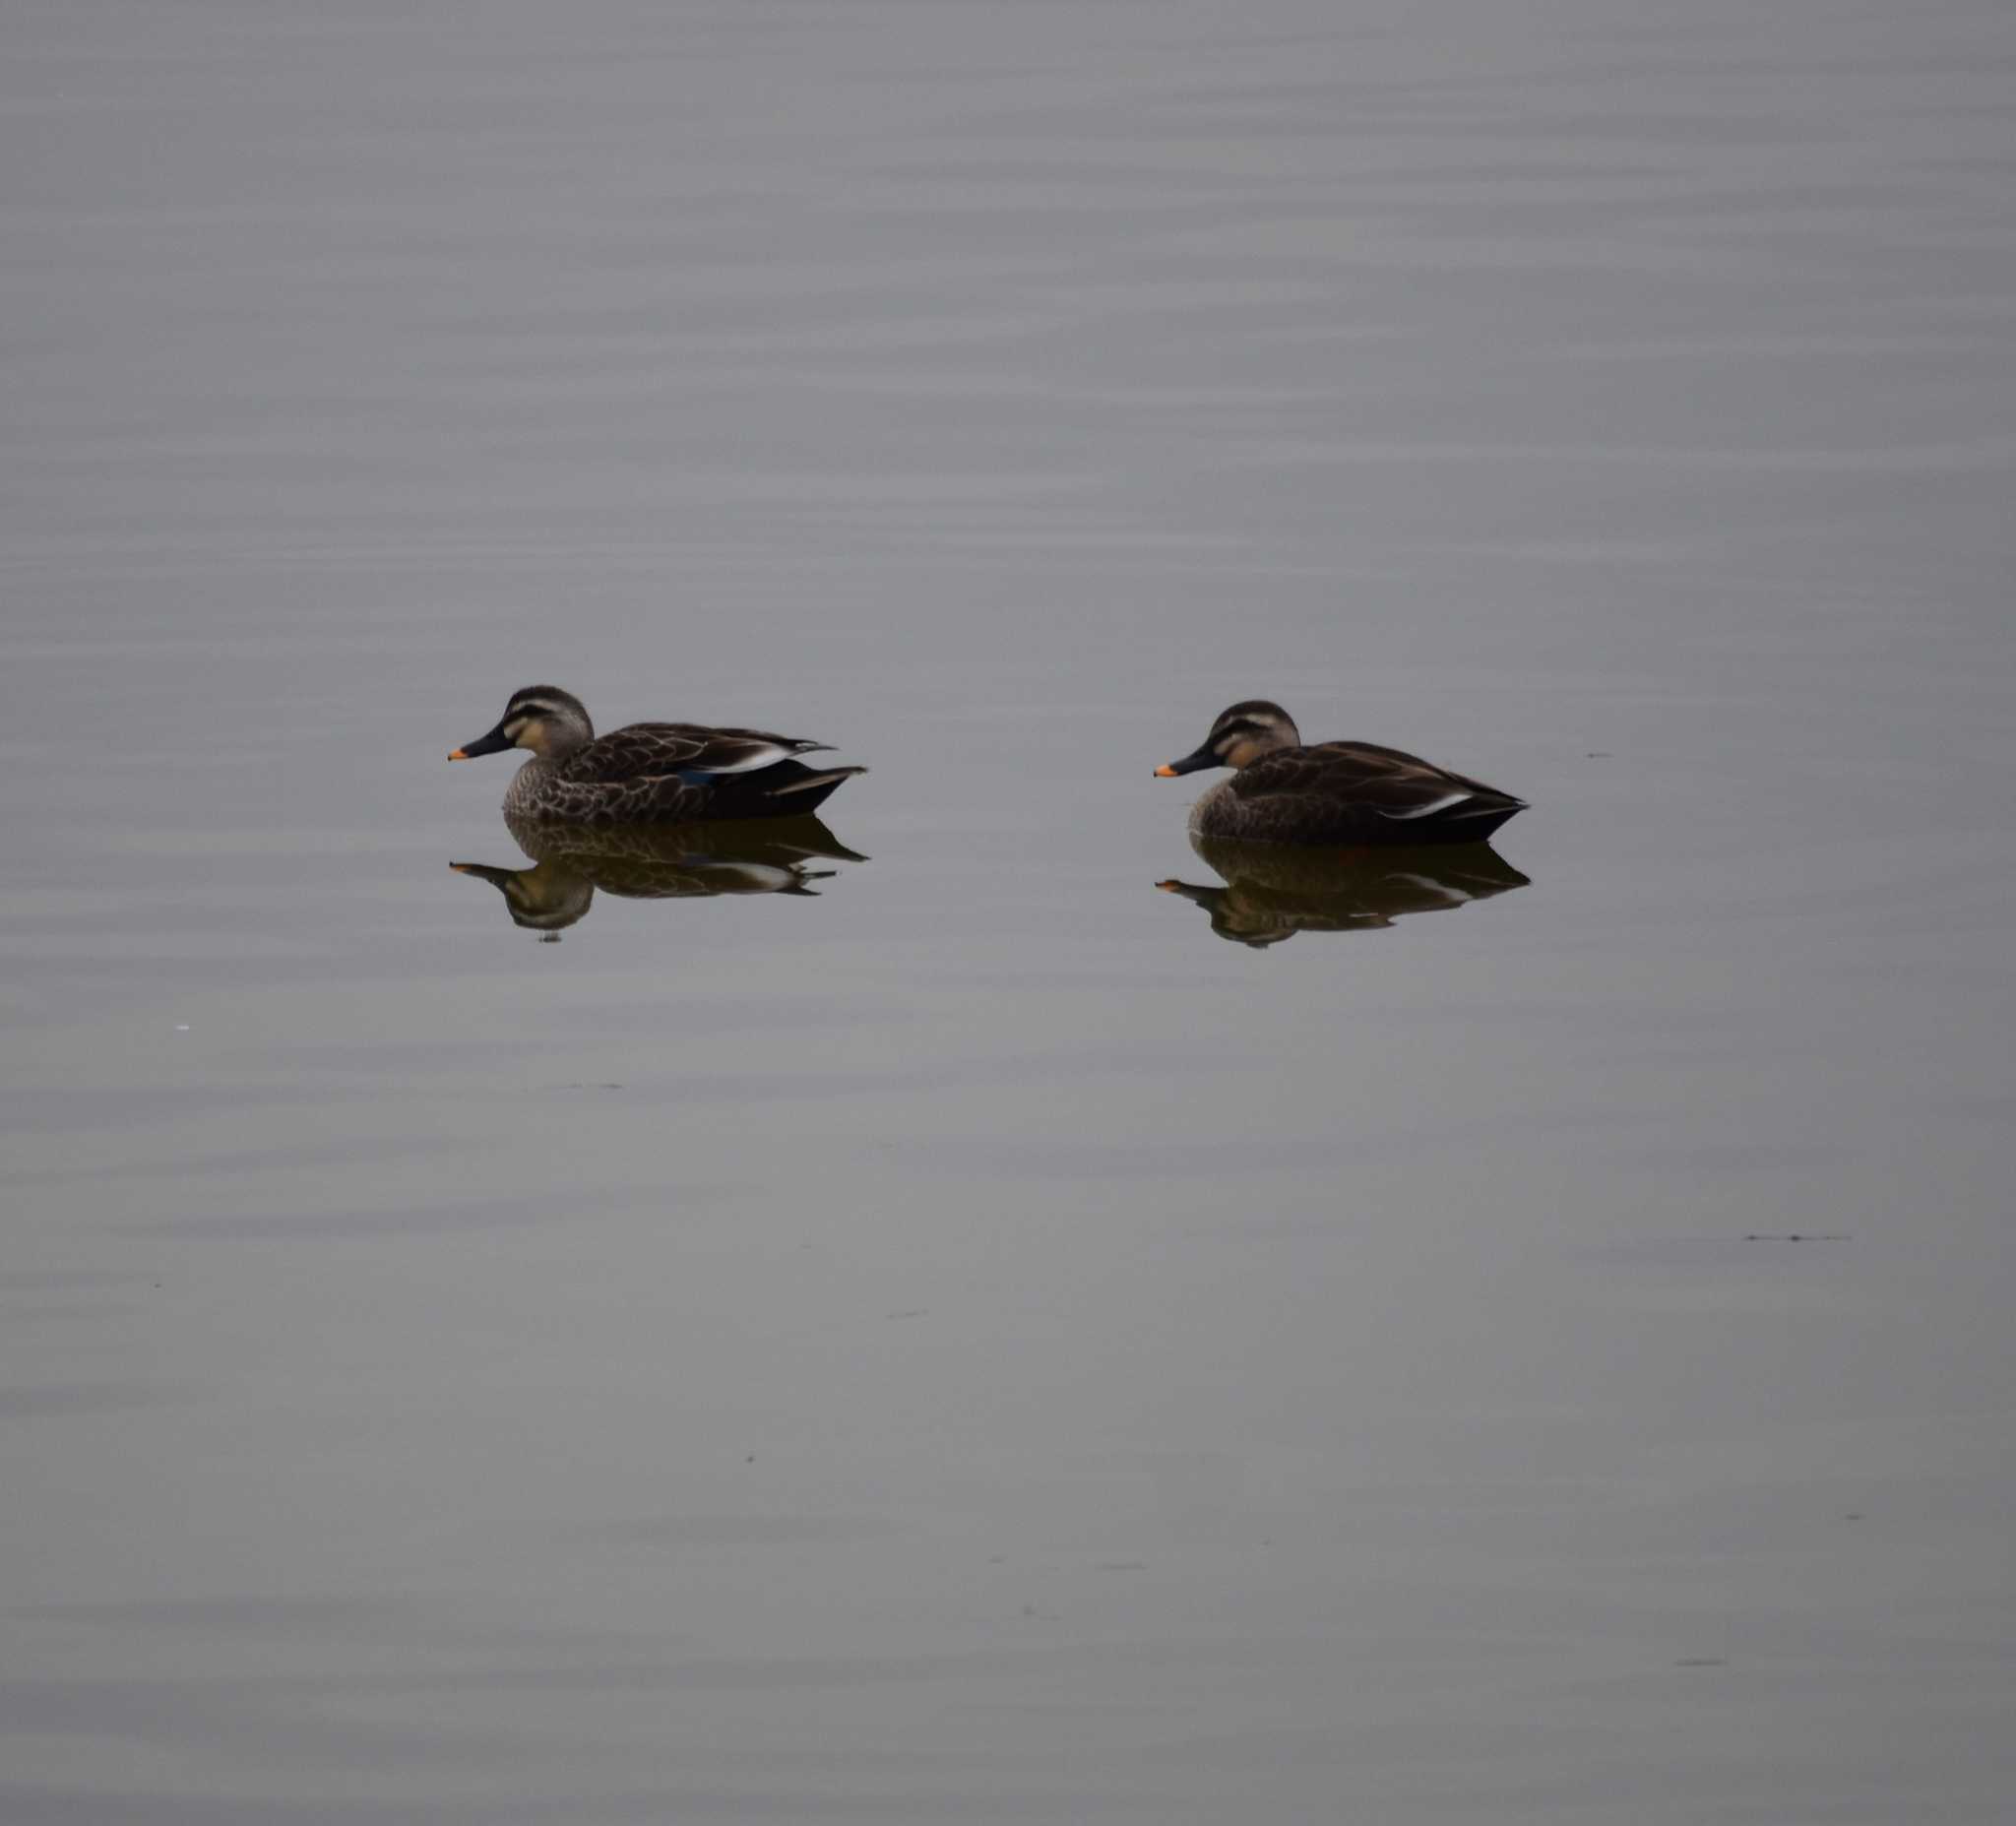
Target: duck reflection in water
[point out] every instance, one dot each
(656, 862)
(1273, 891)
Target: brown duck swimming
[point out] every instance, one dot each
(1330, 793)
(649, 773)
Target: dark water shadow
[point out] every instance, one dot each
(656, 862)
(1273, 891)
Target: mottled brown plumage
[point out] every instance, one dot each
(648, 773)
(1331, 793)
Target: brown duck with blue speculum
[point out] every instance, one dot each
(1281, 791)
(648, 773)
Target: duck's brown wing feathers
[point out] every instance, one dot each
(692, 750)
(1363, 789)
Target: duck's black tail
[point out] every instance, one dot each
(788, 789)
(1473, 822)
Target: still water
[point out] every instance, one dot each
(971, 1311)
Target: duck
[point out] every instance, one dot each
(1283, 791)
(648, 773)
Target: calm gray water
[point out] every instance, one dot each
(1522, 1339)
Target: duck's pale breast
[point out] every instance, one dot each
(1217, 812)
(521, 796)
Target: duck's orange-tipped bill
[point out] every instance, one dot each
(494, 744)
(1163, 772)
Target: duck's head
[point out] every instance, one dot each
(1239, 738)
(544, 719)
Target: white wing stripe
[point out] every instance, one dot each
(768, 755)
(1434, 805)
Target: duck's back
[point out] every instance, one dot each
(646, 750)
(668, 773)
(1352, 792)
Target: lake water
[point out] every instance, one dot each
(1518, 1337)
